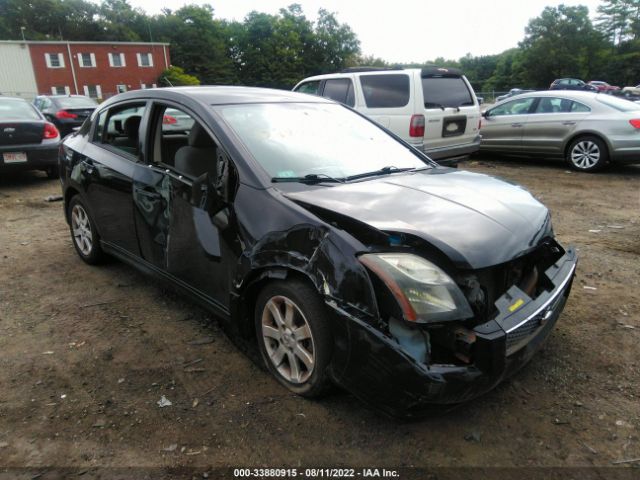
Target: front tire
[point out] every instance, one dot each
(293, 336)
(84, 235)
(587, 154)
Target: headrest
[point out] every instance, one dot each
(199, 138)
(132, 126)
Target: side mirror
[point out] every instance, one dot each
(485, 113)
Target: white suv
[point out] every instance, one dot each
(434, 109)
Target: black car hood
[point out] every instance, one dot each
(476, 220)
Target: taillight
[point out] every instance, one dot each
(169, 120)
(480, 123)
(65, 114)
(635, 123)
(416, 126)
(50, 131)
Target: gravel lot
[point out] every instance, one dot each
(86, 354)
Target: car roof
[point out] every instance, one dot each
(348, 74)
(221, 95)
(573, 94)
(17, 99)
(63, 96)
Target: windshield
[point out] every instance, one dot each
(76, 102)
(619, 104)
(292, 140)
(17, 110)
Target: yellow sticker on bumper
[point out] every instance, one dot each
(518, 303)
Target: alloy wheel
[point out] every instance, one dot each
(288, 339)
(81, 227)
(585, 154)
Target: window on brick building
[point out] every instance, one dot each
(87, 60)
(145, 60)
(54, 60)
(121, 88)
(117, 60)
(60, 90)
(93, 91)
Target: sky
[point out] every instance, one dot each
(406, 30)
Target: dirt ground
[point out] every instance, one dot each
(86, 353)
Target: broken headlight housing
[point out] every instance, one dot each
(424, 292)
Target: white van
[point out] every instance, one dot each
(434, 109)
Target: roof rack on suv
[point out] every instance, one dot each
(368, 69)
(435, 71)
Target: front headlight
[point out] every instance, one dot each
(424, 292)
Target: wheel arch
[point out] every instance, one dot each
(586, 133)
(244, 300)
(69, 193)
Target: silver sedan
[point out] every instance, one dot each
(587, 129)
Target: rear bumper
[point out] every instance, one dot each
(453, 153)
(374, 368)
(38, 157)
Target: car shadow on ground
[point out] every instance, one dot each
(553, 165)
(23, 179)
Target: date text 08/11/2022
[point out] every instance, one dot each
(315, 473)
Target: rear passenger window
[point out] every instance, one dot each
(579, 107)
(340, 90)
(385, 91)
(445, 92)
(309, 87)
(119, 127)
(553, 105)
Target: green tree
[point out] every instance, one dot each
(561, 42)
(49, 20)
(175, 76)
(508, 72)
(119, 21)
(198, 42)
(336, 45)
(619, 20)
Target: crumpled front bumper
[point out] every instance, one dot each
(374, 367)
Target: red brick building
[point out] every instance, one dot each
(96, 69)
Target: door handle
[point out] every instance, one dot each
(569, 123)
(516, 125)
(89, 168)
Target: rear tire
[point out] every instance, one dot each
(84, 234)
(293, 335)
(587, 154)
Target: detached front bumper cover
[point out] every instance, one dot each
(378, 371)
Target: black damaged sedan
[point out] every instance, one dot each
(349, 256)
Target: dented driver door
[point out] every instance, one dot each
(196, 250)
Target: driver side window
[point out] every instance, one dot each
(514, 107)
(182, 143)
